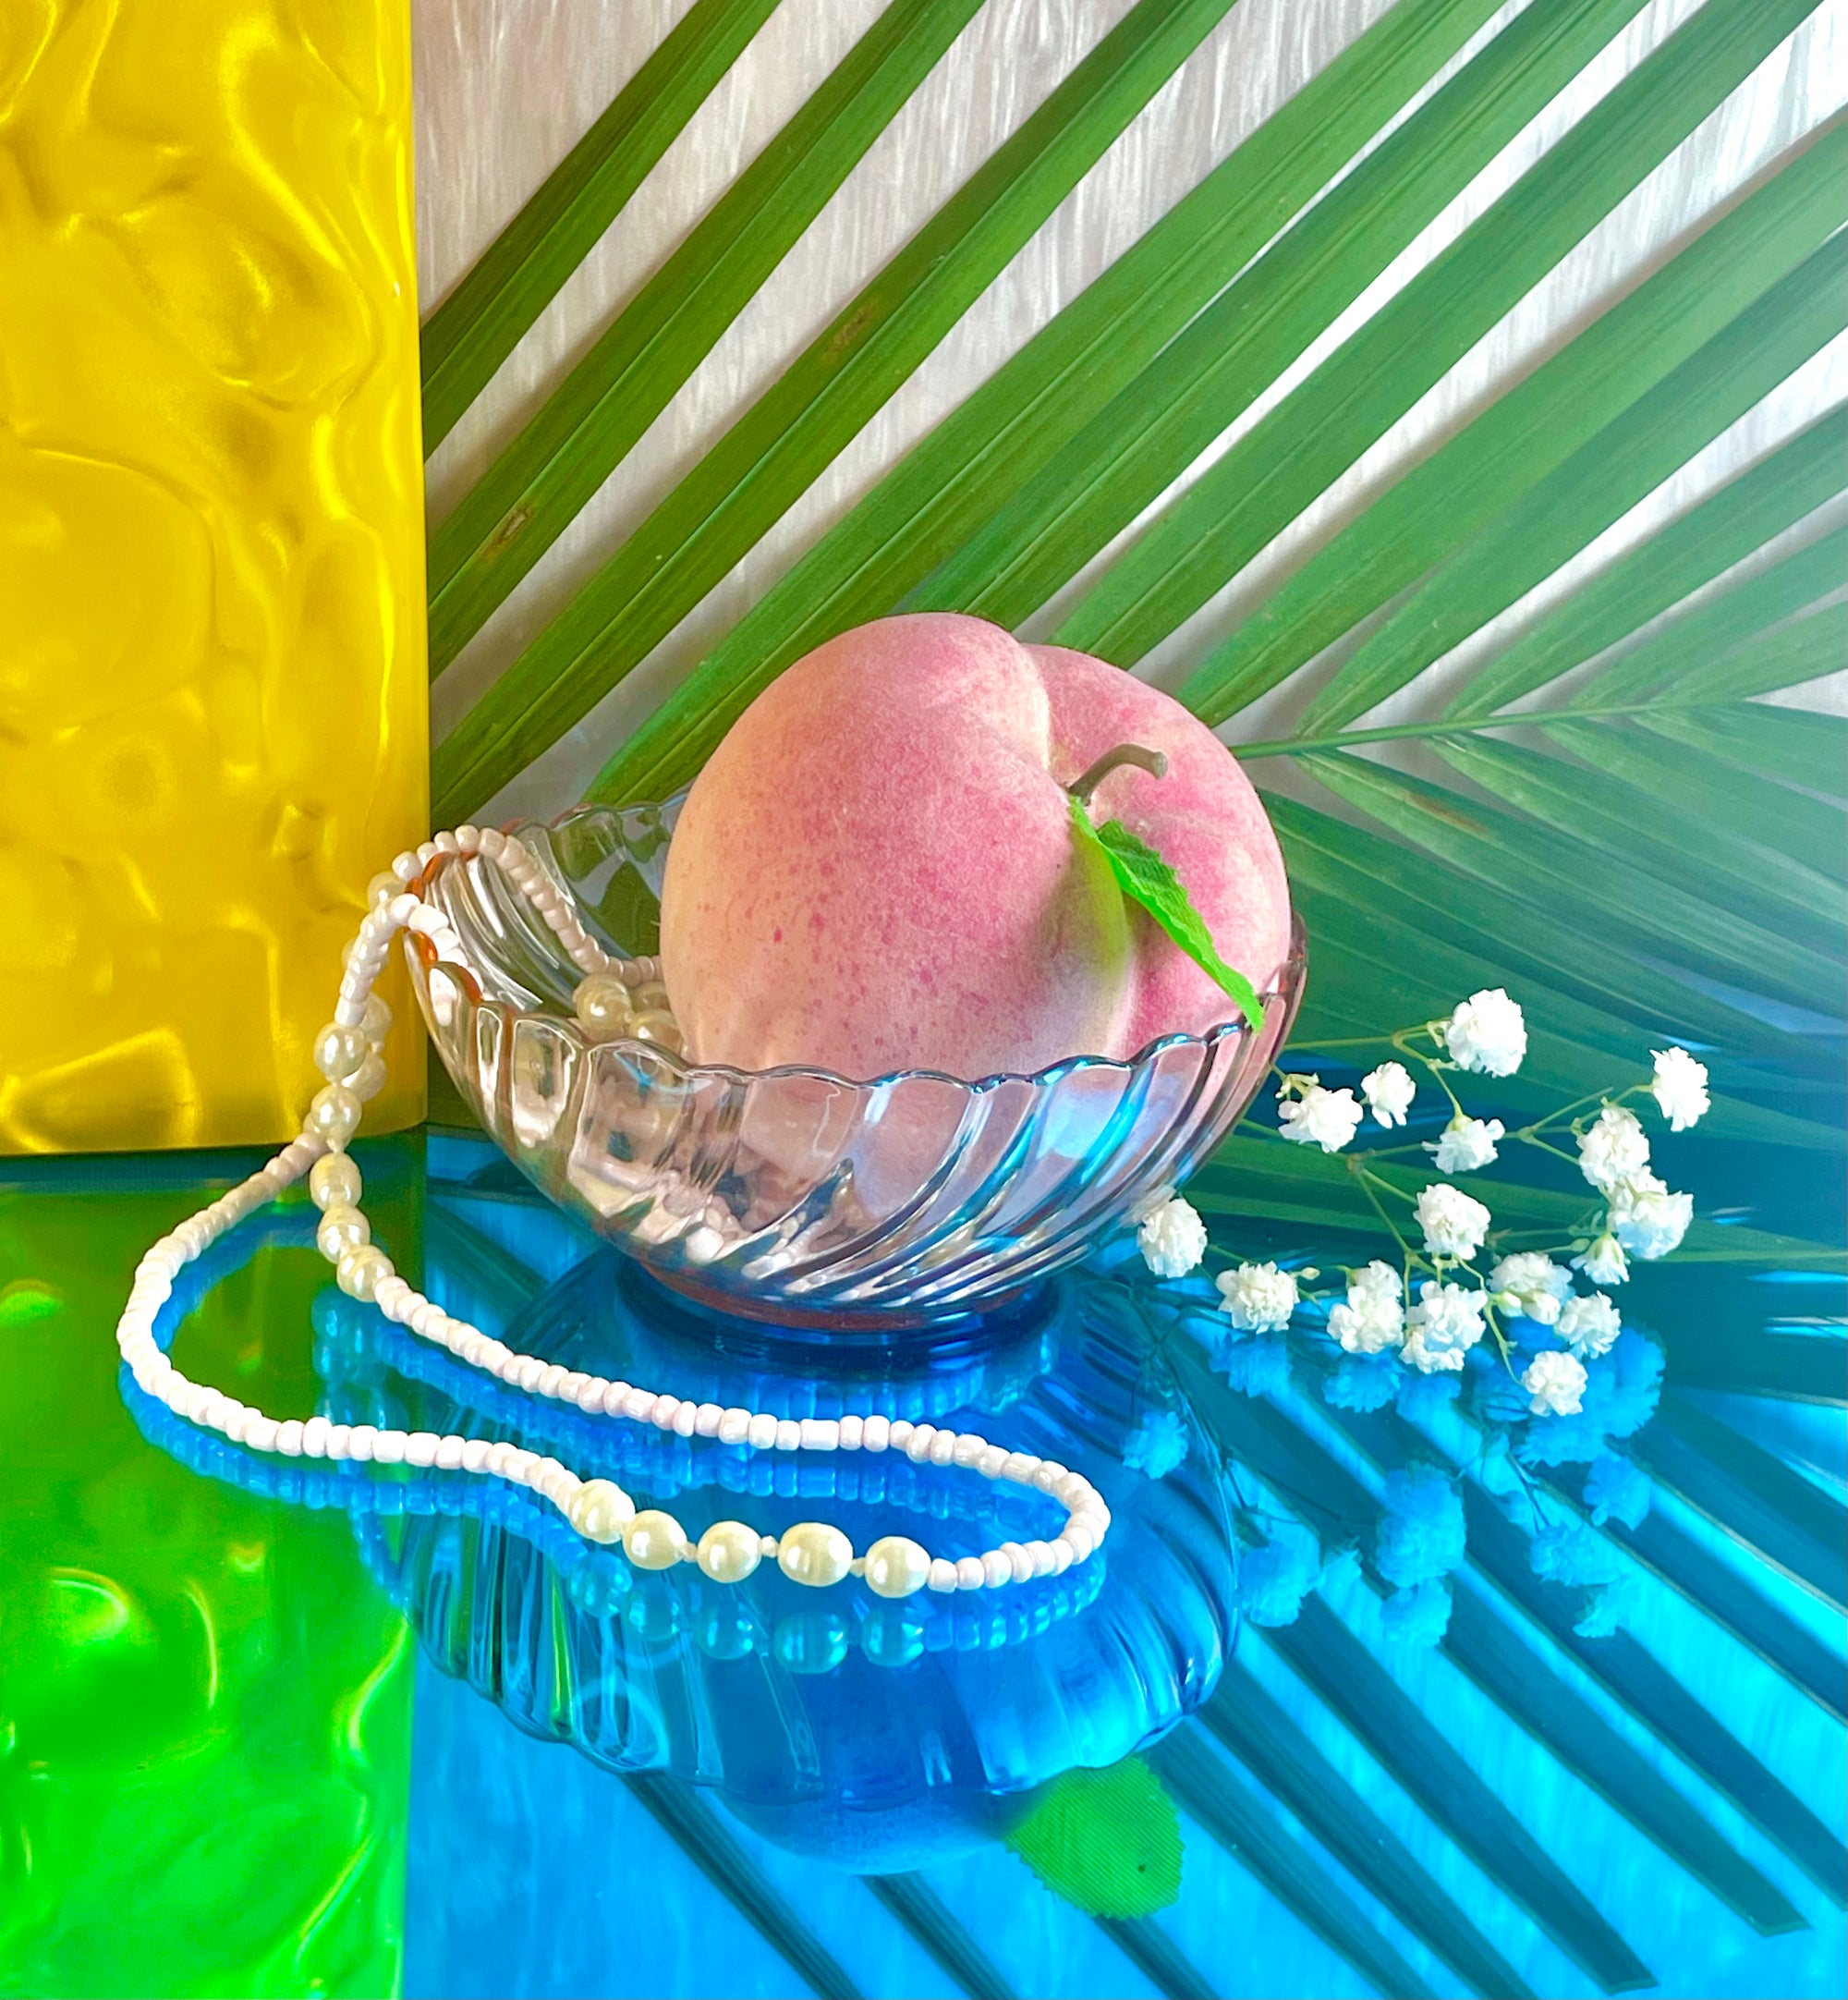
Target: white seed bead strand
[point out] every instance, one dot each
(347, 1052)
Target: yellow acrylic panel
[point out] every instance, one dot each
(213, 684)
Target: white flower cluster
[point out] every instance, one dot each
(1313, 1116)
(1467, 1143)
(1680, 1088)
(1389, 1091)
(1454, 1223)
(1643, 1214)
(1555, 1384)
(1172, 1238)
(1488, 1034)
(1531, 1284)
(1258, 1298)
(1372, 1317)
(1443, 1327)
(1643, 1217)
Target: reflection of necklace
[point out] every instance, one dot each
(346, 1054)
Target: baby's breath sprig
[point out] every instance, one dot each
(1439, 1304)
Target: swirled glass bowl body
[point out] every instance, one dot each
(794, 1194)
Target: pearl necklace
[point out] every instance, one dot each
(347, 1052)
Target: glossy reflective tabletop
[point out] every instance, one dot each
(272, 1728)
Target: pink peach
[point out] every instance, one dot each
(876, 870)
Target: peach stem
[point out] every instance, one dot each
(1151, 761)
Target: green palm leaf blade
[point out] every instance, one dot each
(481, 323)
(1702, 791)
(1731, 870)
(1615, 902)
(1316, 432)
(1467, 907)
(1002, 437)
(1806, 649)
(1383, 969)
(540, 484)
(1149, 434)
(779, 446)
(1570, 507)
(1783, 744)
(1523, 436)
(1661, 666)
(1691, 551)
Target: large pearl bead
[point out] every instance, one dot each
(368, 1080)
(377, 1021)
(896, 1566)
(814, 1553)
(338, 1051)
(729, 1551)
(341, 1230)
(599, 1510)
(602, 1006)
(334, 1181)
(660, 1027)
(361, 1272)
(654, 1540)
(333, 1115)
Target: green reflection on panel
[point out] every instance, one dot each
(204, 1702)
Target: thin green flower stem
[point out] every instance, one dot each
(1540, 1125)
(1488, 1313)
(1402, 1042)
(1591, 1097)
(1541, 1145)
(1364, 1180)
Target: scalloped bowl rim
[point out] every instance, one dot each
(1288, 989)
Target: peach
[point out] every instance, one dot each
(876, 870)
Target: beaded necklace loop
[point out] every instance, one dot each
(347, 1052)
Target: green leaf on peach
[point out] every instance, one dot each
(1146, 878)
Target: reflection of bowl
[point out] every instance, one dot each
(790, 1193)
(872, 1734)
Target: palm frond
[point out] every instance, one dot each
(479, 323)
(776, 450)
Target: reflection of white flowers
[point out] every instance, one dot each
(1604, 1262)
(1487, 1032)
(1454, 1223)
(1467, 1144)
(1317, 1117)
(1258, 1298)
(1372, 1318)
(1389, 1091)
(1589, 1325)
(1680, 1088)
(1157, 1445)
(1555, 1382)
(1172, 1238)
(1646, 1218)
(1534, 1282)
(1443, 1327)
(1613, 1148)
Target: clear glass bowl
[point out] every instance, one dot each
(793, 1194)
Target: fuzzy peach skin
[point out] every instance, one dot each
(876, 870)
